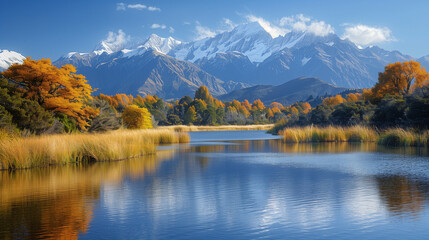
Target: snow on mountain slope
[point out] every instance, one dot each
(154, 42)
(8, 58)
(250, 39)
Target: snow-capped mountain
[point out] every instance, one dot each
(250, 39)
(8, 58)
(153, 42)
(247, 54)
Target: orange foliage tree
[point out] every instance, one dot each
(258, 105)
(59, 90)
(332, 101)
(400, 79)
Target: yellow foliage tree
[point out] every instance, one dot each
(258, 105)
(352, 97)
(294, 110)
(136, 117)
(246, 104)
(276, 104)
(399, 79)
(332, 101)
(59, 90)
(270, 113)
(306, 107)
(231, 109)
(276, 110)
(190, 115)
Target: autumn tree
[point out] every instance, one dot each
(59, 90)
(190, 115)
(136, 117)
(332, 101)
(24, 113)
(400, 79)
(202, 93)
(353, 97)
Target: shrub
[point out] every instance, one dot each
(136, 118)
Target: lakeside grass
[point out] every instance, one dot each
(388, 137)
(71, 148)
(185, 128)
(401, 137)
(328, 134)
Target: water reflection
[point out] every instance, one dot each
(241, 189)
(58, 202)
(401, 195)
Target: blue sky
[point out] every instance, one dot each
(49, 29)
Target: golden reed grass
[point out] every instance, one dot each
(388, 137)
(61, 149)
(401, 137)
(185, 128)
(328, 134)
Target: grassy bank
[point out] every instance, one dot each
(328, 134)
(388, 137)
(401, 137)
(185, 128)
(67, 148)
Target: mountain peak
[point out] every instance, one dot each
(8, 58)
(249, 28)
(159, 44)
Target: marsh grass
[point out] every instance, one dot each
(389, 137)
(328, 134)
(68, 148)
(401, 137)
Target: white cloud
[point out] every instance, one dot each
(366, 35)
(137, 6)
(229, 24)
(301, 23)
(272, 29)
(171, 29)
(120, 7)
(156, 25)
(115, 41)
(186, 23)
(203, 32)
(153, 9)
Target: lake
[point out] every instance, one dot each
(226, 185)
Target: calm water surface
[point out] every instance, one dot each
(226, 185)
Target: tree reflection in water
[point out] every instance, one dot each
(57, 202)
(401, 195)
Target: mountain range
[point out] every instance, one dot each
(296, 90)
(242, 57)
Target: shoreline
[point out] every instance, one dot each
(193, 128)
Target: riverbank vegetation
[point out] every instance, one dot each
(39, 98)
(39, 102)
(72, 148)
(397, 108)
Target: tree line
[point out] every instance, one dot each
(400, 98)
(37, 97)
